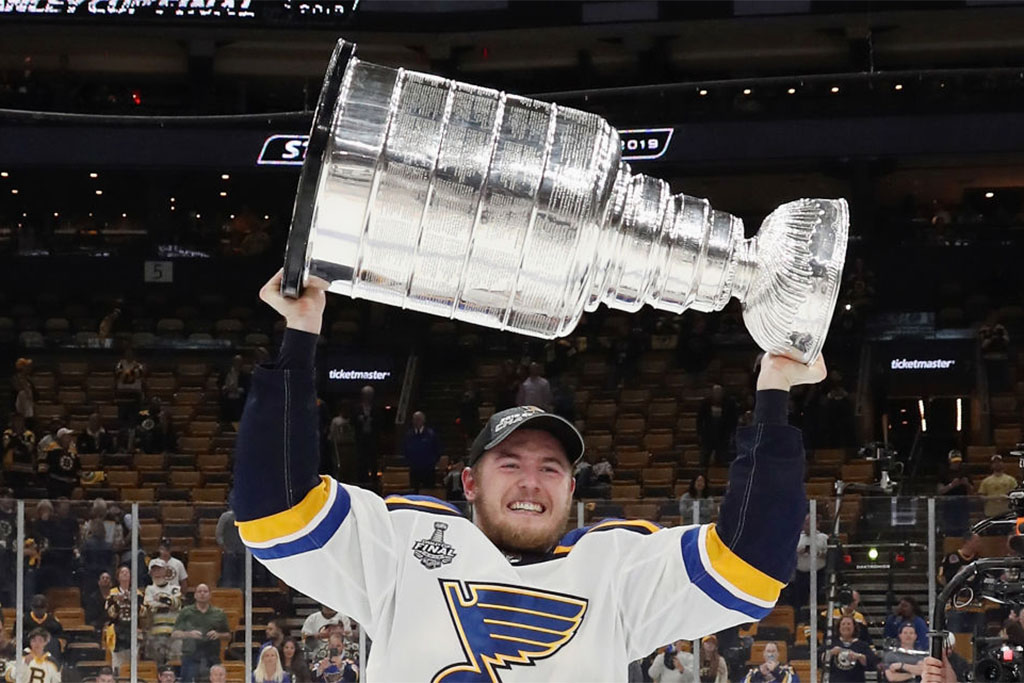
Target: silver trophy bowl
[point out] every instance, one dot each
(469, 203)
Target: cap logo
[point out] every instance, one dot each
(516, 418)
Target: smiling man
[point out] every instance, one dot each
(509, 596)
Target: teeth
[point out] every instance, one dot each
(530, 507)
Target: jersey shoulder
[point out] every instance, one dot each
(637, 526)
(427, 504)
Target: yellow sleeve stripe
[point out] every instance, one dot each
(735, 572)
(290, 521)
(421, 502)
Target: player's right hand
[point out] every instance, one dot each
(305, 313)
(779, 372)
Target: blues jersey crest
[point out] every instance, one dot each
(500, 626)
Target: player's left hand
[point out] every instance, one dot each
(779, 372)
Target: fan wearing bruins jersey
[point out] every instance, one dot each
(506, 597)
(36, 667)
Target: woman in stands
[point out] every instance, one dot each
(698, 491)
(269, 669)
(713, 668)
(294, 662)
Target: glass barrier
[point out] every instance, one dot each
(135, 587)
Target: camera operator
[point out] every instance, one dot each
(771, 669)
(848, 657)
(673, 665)
(904, 663)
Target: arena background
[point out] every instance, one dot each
(149, 155)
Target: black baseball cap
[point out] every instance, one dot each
(502, 424)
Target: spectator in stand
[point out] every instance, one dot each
(233, 558)
(367, 422)
(696, 349)
(128, 390)
(593, 479)
(48, 438)
(772, 670)
(535, 390)
(39, 617)
(469, 412)
(421, 450)
(269, 669)
(837, 414)
(25, 399)
(335, 663)
(97, 555)
(107, 325)
(955, 486)
(275, 634)
(506, 386)
(907, 612)
(716, 422)
(166, 675)
(995, 487)
(8, 550)
(218, 674)
(154, 432)
(200, 628)
(63, 539)
(7, 650)
(697, 492)
(294, 662)
(95, 439)
(847, 656)
(453, 480)
(805, 564)
(995, 345)
(176, 574)
(673, 665)
(317, 624)
(905, 663)
(40, 531)
(234, 386)
(117, 635)
(713, 668)
(163, 603)
(94, 602)
(106, 675)
(63, 465)
(341, 442)
(19, 447)
(851, 610)
(39, 666)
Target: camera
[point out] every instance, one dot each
(844, 594)
(996, 660)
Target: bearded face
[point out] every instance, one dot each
(521, 491)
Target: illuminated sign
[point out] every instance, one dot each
(642, 144)
(931, 364)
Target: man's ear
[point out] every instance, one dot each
(469, 484)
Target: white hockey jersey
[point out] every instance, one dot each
(33, 670)
(443, 604)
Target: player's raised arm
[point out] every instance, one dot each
(306, 529)
(765, 504)
(688, 582)
(278, 450)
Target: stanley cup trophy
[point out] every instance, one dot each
(469, 203)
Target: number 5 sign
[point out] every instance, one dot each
(158, 271)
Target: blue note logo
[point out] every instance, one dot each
(501, 626)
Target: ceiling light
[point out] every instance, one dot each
(747, 91)
(266, 217)
(990, 195)
(56, 215)
(198, 216)
(99, 192)
(4, 174)
(172, 200)
(90, 214)
(225, 176)
(232, 216)
(702, 92)
(14, 191)
(835, 88)
(223, 194)
(94, 175)
(124, 215)
(898, 86)
(792, 91)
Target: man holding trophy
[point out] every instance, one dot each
(517, 214)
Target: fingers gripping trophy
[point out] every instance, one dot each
(470, 203)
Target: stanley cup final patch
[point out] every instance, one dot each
(433, 552)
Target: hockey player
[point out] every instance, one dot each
(507, 597)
